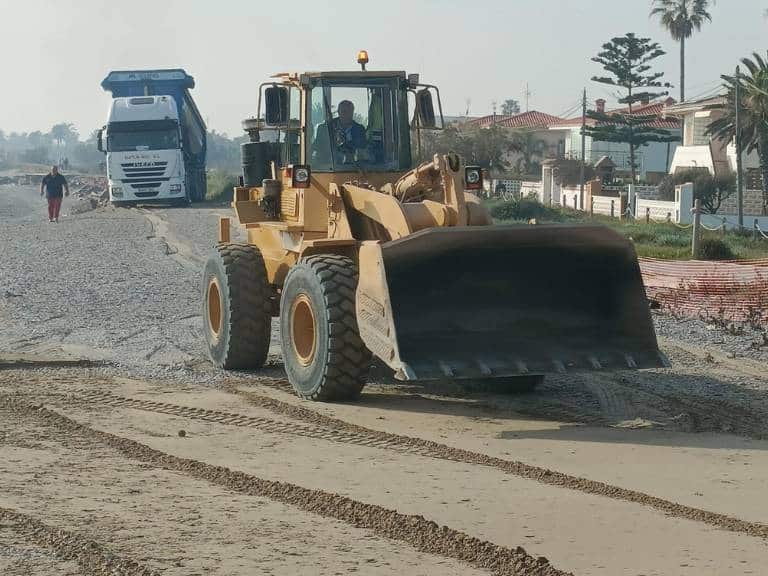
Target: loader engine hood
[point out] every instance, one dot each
(496, 301)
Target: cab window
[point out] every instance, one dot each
(356, 126)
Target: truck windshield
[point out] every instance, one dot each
(358, 124)
(130, 136)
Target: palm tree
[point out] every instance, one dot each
(681, 18)
(753, 97)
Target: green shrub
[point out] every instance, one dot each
(524, 209)
(220, 186)
(715, 249)
(711, 190)
(643, 237)
(671, 239)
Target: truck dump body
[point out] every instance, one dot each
(474, 302)
(176, 83)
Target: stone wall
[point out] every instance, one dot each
(753, 203)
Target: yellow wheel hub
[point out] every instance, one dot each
(303, 336)
(214, 307)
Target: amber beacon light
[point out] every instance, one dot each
(362, 58)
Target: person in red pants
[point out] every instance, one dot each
(53, 186)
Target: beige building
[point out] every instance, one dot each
(699, 150)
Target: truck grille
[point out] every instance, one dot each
(142, 173)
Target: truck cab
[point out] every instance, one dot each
(154, 139)
(142, 140)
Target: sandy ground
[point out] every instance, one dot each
(109, 469)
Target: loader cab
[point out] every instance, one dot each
(347, 122)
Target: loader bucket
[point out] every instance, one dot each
(495, 301)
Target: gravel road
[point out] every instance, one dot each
(122, 286)
(103, 284)
(653, 472)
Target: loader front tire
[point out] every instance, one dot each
(236, 308)
(324, 357)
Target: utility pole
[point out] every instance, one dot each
(739, 168)
(526, 95)
(583, 146)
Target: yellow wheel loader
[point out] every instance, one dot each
(360, 253)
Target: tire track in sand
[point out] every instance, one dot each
(92, 558)
(420, 533)
(320, 426)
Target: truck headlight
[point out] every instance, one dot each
(473, 178)
(175, 188)
(117, 191)
(300, 176)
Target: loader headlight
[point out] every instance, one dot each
(473, 177)
(300, 176)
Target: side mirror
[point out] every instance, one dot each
(276, 106)
(425, 109)
(99, 140)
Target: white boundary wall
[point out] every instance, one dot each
(528, 187)
(602, 205)
(678, 211)
(570, 197)
(658, 210)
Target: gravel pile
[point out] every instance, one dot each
(737, 340)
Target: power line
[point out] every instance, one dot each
(570, 110)
(714, 91)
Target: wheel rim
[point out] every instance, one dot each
(214, 308)
(303, 335)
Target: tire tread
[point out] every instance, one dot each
(348, 359)
(249, 309)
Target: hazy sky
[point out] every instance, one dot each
(54, 54)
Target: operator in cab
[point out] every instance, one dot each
(348, 137)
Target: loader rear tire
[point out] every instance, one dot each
(324, 357)
(236, 307)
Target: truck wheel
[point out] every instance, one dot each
(324, 357)
(236, 308)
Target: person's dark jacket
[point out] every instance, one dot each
(54, 185)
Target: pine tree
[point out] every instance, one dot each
(628, 61)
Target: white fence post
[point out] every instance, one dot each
(696, 230)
